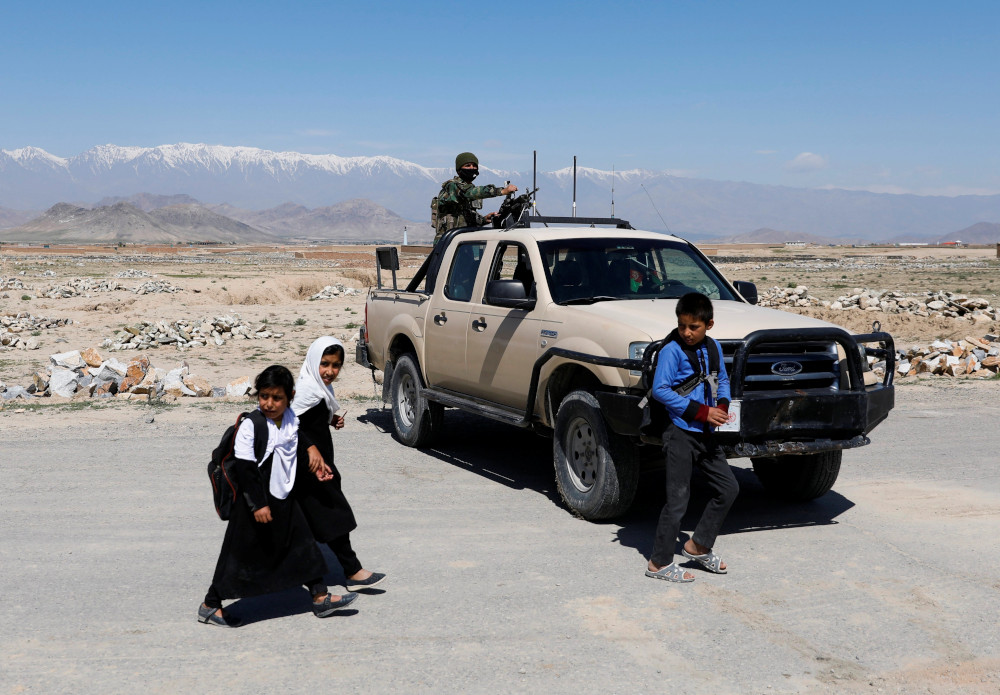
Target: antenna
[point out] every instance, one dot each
(612, 190)
(665, 225)
(574, 185)
(534, 179)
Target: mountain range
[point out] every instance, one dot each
(238, 181)
(151, 218)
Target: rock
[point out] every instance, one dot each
(31, 343)
(40, 380)
(63, 382)
(13, 392)
(91, 357)
(198, 385)
(238, 387)
(68, 360)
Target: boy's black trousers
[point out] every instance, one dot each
(684, 450)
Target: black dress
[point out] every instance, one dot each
(323, 503)
(261, 558)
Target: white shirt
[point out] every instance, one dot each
(283, 442)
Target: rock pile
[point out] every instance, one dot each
(76, 287)
(12, 325)
(133, 273)
(155, 287)
(12, 284)
(187, 333)
(331, 291)
(972, 357)
(85, 374)
(932, 303)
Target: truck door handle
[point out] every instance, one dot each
(440, 319)
(479, 325)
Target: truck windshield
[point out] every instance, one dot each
(616, 268)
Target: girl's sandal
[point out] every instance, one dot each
(208, 616)
(670, 573)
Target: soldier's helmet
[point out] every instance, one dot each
(465, 158)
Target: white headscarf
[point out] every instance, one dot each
(282, 441)
(310, 389)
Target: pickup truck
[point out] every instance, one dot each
(558, 328)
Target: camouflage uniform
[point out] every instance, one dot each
(458, 204)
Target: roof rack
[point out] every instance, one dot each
(581, 221)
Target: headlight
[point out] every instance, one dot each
(864, 358)
(635, 351)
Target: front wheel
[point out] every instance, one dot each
(597, 471)
(799, 477)
(417, 421)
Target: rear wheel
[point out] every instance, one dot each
(417, 421)
(597, 471)
(801, 477)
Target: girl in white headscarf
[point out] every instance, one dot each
(326, 508)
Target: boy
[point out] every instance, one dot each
(688, 440)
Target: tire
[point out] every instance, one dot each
(417, 421)
(597, 471)
(800, 477)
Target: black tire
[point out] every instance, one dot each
(798, 478)
(417, 421)
(597, 471)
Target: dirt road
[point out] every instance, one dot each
(887, 584)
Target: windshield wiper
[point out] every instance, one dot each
(588, 300)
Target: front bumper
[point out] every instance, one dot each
(787, 421)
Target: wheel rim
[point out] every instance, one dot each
(406, 396)
(581, 454)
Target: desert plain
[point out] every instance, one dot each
(886, 584)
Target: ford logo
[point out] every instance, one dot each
(786, 368)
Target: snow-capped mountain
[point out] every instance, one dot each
(255, 179)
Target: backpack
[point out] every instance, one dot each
(221, 468)
(654, 414)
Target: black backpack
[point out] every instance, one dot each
(221, 469)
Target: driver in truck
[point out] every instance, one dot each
(458, 203)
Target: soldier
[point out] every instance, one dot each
(458, 202)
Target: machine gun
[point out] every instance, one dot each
(513, 209)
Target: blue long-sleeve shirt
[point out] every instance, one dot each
(673, 368)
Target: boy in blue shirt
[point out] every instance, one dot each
(688, 440)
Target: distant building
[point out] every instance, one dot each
(953, 244)
(795, 243)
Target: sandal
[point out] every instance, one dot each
(327, 606)
(207, 615)
(671, 573)
(709, 561)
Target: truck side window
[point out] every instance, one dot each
(511, 263)
(464, 267)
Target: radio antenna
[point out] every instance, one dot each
(574, 185)
(534, 179)
(612, 190)
(665, 225)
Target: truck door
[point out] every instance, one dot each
(503, 342)
(448, 319)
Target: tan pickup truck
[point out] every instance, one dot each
(557, 329)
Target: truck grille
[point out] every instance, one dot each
(780, 366)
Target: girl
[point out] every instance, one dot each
(268, 546)
(323, 502)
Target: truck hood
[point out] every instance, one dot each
(656, 318)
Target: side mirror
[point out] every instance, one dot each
(510, 294)
(747, 289)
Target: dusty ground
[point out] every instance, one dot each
(270, 284)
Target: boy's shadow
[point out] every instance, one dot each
(754, 510)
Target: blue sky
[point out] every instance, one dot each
(883, 96)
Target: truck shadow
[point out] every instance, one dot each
(522, 460)
(511, 456)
